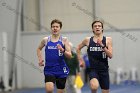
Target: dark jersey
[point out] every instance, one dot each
(97, 57)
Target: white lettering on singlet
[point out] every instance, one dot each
(99, 49)
(60, 53)
(65, 70)
(96, 49)
(55, 47)
(52, 47)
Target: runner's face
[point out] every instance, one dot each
(55, 28)
(97, 28)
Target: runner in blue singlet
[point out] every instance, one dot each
(56, 47)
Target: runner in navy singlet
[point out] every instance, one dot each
(99, 48)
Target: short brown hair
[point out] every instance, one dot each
(56, 21)
(96, 22)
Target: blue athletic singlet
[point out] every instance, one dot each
(54, 59)
(97, 57)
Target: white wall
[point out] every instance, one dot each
(31, 15)
(121, 13)
(70, 12)
(1, 58)
(9, 17)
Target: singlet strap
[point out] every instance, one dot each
(60, 38)
(91, 40)
(49, 39)
(104, 40)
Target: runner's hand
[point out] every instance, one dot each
(41, 63)
(81, 62)
(60, 48)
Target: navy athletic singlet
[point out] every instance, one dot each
(97, 57)
(54, 59)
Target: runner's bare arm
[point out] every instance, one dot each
(67, 51)
(39, 51)
(108, 49)
(84, 43)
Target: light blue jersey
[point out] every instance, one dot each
(54, 59)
